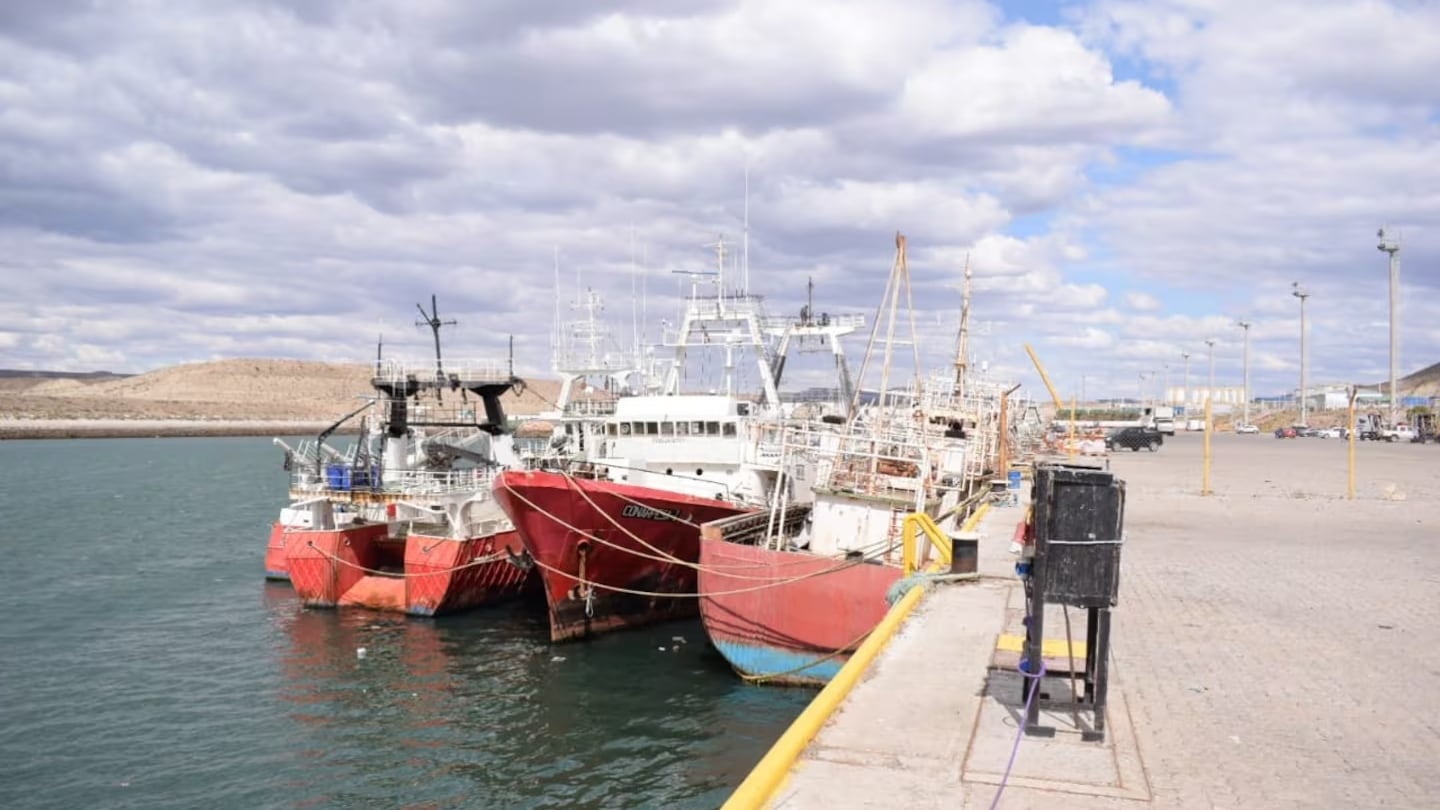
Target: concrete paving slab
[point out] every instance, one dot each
(1275, 646)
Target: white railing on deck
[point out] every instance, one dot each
(398, 371)
(404, 483)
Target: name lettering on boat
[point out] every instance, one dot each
(631, 510)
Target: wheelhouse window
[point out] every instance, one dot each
(682, 428)
(624, 428)
(667, 428)
(652, 429)
(729, 428)
(712, 428)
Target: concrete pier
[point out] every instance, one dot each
(1275, 646)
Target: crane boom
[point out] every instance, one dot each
(1045, 378)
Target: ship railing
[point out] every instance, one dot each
(778, 323)
(468, 370)
(608, 362)
(590, 407)
(838, 453)
(337, 478)
(425, 482)
(451, 414)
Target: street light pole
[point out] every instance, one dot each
(1186, 355)
(1392, 247)
(1245, 377)
(1302, 294)
(1210, 392)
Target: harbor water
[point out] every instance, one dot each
(144, 663)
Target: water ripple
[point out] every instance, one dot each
(148, 666)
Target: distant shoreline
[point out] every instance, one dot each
(153, 428)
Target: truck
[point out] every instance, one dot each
(1163, 419)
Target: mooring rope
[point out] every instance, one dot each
(404, 574)
(822, 659)
(697, 595)
(668, 559)
(921, 579)
(622, 496)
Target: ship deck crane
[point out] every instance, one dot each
(1045, 378)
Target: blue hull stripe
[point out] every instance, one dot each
(756, 659)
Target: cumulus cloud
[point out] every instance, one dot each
(182, 181)
(1141, 301)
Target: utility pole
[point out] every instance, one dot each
(1210, 392)
(1245, 379)
(1392, 246)
(1186, 356)
(1302, 294)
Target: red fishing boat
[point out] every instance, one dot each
(618, 546)
(417, 569)
(403, 519)
(610, 555)
(789, 617)
(788, 595)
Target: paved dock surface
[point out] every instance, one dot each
(1275, 646)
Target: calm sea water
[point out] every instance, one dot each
(145, 663)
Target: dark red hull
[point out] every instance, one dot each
(424, 575)
(797, 631)
(576, 530)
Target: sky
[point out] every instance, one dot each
(186, 181)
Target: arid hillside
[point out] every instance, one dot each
(1423, 383)
(276, 390)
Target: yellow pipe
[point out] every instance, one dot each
(909, 555)
(1209, 428)
(1071, 443)
(770, 772)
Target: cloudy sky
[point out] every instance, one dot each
(184, 181)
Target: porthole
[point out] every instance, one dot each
(699, 471)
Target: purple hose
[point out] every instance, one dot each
(1020, 732)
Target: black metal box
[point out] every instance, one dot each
(1079, 520)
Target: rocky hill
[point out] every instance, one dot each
(223, 390)
(1423, 383)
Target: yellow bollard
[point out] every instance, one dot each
(1350, 485)
(1072, 426)
(1209, 428)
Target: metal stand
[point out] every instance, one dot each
(1078, 521)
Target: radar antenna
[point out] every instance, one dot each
(432, 320)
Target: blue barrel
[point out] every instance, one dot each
(1014, 479)
(337, 476)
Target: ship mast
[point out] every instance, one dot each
(432, 320)
(962, 341)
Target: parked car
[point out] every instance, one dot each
(1399, 433)
(1306, 432)
(1242, 428)
(1285, 433)
(1135, 438)
(1334, 433)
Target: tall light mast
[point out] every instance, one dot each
(1391, 245)
(1302, 294)
(1245, 378)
